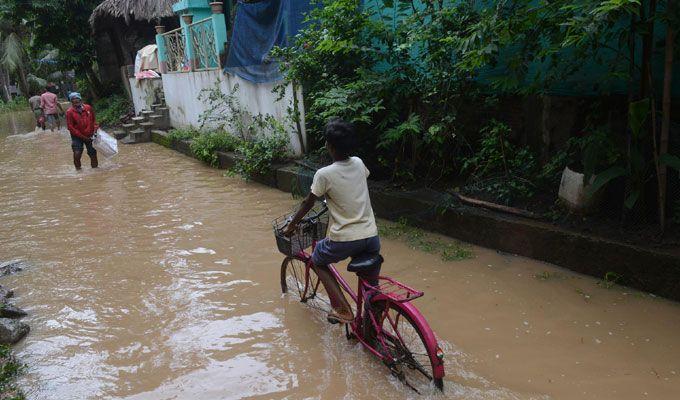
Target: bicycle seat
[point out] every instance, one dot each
(365, 263)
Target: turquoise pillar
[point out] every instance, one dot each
(162, 52)
(189, 53)
(198, 10)
(220, 31)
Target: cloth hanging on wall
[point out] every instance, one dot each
(258, 28)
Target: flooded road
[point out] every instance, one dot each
(156, 277)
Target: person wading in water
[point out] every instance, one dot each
(51, 108)
(82, 126)
(35, 102)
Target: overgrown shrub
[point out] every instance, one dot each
(206, 144)
(178, 134)
(225, 112)
(371, 68)
(590, 154)
(16, 104)
(110, 109)
(260, 140)
(501, 169)
(259, 153)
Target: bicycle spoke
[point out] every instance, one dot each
(298, 279)
(406, 347)
(311, 292)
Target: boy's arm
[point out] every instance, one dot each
(61, 109)
(317, 190)
(307, 205)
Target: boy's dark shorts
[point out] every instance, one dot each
(77, 144)
(328, 251)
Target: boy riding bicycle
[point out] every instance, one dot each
(352, 230)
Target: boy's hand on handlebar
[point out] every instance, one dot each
(307, 205)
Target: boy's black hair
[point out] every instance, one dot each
(342, 136)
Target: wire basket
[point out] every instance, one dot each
(312, 227)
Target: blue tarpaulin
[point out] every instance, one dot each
(259, 27)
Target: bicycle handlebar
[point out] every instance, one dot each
(316, 215)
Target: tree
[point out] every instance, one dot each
(13, 51)
(63, 25)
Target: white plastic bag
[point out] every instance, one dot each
(105, 144)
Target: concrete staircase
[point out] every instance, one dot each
(140, 127)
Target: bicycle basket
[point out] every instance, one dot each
(308, 231)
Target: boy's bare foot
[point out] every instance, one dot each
(343, 316)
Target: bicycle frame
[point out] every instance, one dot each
(359, 298)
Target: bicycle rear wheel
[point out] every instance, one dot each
(406, 344)
(306, 287)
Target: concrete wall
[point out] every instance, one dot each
(182, 91)
(145, 92)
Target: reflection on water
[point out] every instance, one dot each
(155, 277)
(18, 122)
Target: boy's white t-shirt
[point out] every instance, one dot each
(346, 190)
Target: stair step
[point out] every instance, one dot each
(138, 119)
(118, 134)
(128, 127)
(138, 136)
(160, 121)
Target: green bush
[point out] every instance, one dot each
(415, 109)
(17, 104)
(501, 169)
(261, 152)
(589, 154)
(178, 134)
(205, 144)
(110, 109)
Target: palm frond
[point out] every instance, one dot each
(12, 53)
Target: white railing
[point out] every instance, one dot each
(175, 51)
(204, 52)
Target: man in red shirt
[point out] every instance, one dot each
(82, 126)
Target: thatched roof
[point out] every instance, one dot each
(133, 10)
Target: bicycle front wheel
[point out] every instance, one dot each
(304, 284)
(406, 344)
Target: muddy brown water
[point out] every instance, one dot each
(156, 277)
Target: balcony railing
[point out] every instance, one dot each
(175, 50)
(190, 48)
(203, 45)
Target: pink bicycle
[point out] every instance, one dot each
(386, 322)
